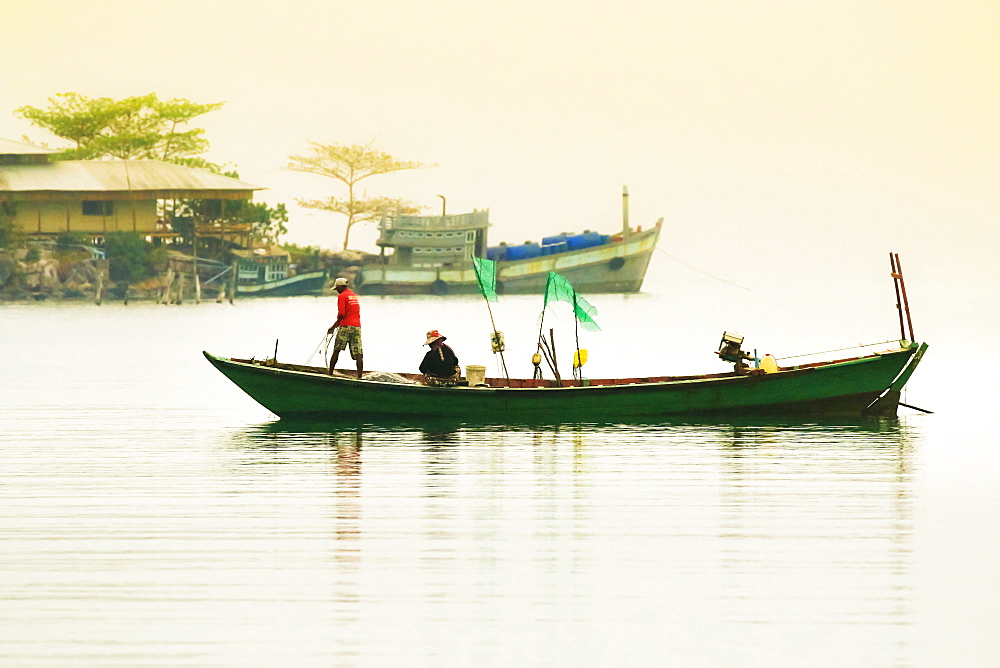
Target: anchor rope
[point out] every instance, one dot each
(837, 350)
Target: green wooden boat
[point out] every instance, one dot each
(857, 386)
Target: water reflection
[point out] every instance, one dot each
(769, 524)
(812, 514)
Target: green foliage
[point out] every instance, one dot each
(34, 254)
(142, 127)
(10, 236)
(130, 257)
(359, 210)
(71, 238)
(268, 224)
(351, 164)
(305, 258)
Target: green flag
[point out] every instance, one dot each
(558, 288)
(486, 275)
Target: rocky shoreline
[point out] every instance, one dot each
(42, 276)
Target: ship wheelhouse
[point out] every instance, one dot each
(433, 241)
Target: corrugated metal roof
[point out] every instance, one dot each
(113, 176)
(11, 147)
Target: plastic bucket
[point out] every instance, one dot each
(475, 374)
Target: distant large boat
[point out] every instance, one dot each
(433, 255)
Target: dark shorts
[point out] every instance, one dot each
(348, 335)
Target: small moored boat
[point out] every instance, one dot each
(268, 272)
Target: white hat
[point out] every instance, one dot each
(340, 281)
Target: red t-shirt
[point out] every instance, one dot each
(348, 309)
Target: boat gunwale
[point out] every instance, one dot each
(320, 373)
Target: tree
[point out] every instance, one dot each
(146, 127)
(351, 164)
(130, 257)
(266, 223)
(142, 127)
(9, 235)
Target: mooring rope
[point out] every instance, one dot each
(838, 350)
(702, 271)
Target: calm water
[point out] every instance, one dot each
(151, 513)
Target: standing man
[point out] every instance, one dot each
(349, 322)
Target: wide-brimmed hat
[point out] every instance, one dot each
(340, 281)
(433, 336)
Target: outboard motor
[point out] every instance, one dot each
(729, 351)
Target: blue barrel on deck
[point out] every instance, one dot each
(525, 251)
(554, 244)
(552, 249)
(585, 240)
(496, 253)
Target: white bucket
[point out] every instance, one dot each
(475, 374)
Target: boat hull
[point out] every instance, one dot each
(310, 283)
(618, 267)
(842, 388)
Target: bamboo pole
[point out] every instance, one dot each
(895, 284)
(906, 303)
(543, 346)
(555, 363)
(577, 370)
(503, 362)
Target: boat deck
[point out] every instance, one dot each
(535, 383)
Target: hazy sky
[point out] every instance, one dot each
(819, 131)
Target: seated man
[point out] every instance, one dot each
(440, 365)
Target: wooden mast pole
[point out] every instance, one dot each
(899, 304)
(625, 227)
(906, 303)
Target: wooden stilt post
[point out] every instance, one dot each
(232, 286)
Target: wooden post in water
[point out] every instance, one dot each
(194, 263)
(165, 295)
(100, 287)
(232, 287)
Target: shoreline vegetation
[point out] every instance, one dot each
(34, 275)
